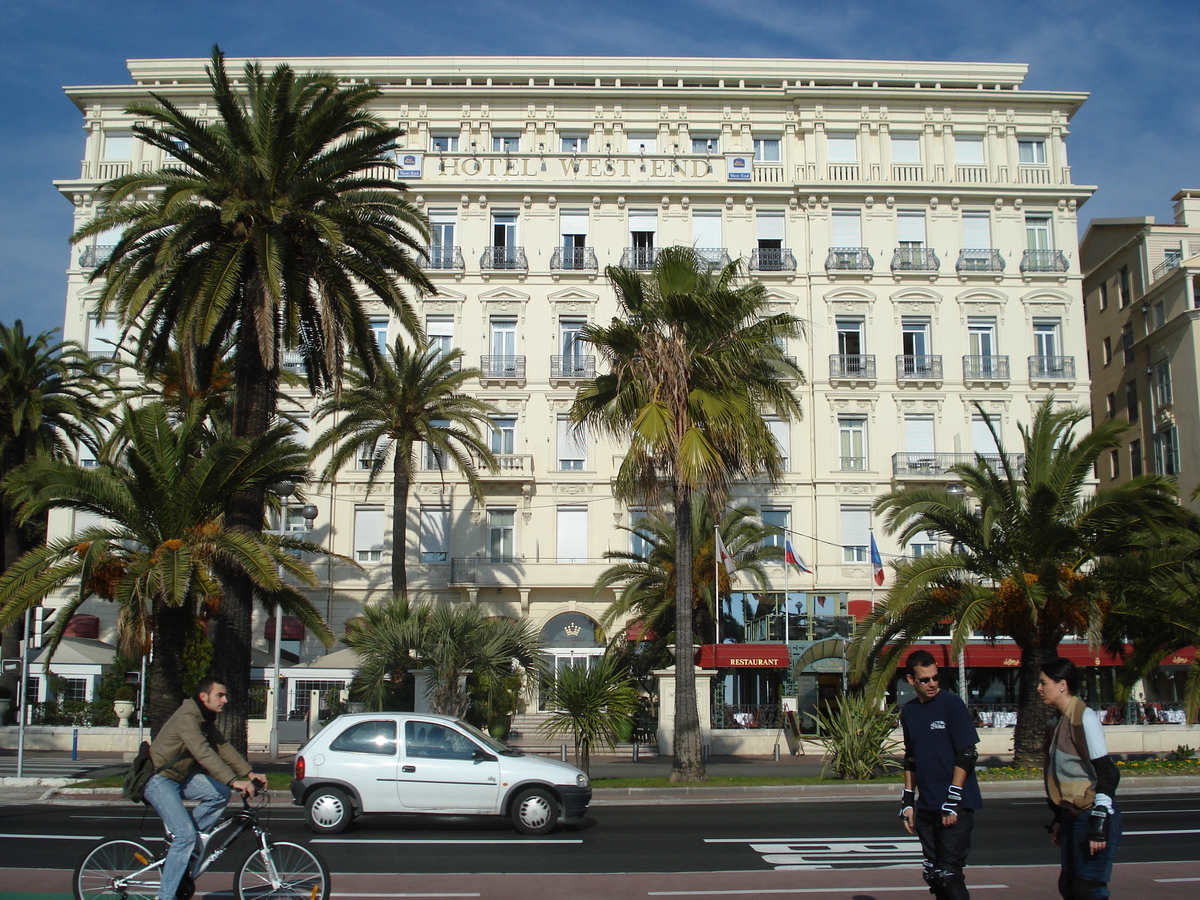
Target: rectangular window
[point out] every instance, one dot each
(572, 534)
(76, 690)
(982, 440)
(444, 224)
(639, 536)
(369, 523)
(705, 144)
(851, 337)
(1127, 342)
(968, 150)
(1158, 314)
(440, 331)
(918, 435)
(847, 228)
(102, 337)
(766, 150)
(572, 446)
(778, 519)
(1103, 296)
(768, 228)
(981, 338)
(642, 228)
(641, 143)
(1110, 406)
(379, 329)
(843, 148)
(706, 230)
(1047, 338)
(1131, 401)
(1106, 350)
(1166, 451)
(976, 231)
(574, 351)
(915, 343)
(506, 143)
(1031, 152)
(1037, 233)
(781, 432)
(852, 438)
(1162, 384)
(1126, 287)
(443, 143)
(910, 228)
(435, 534)
(856, 533)
(501, 525)
(1135, 458)
(574, 143)
(504, 345)
(504, 435)
(504, 229)
(573, 226)
(1114, 463)
(906, 149)
(118, 145)
(435, 460)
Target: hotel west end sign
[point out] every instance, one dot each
(416, 166)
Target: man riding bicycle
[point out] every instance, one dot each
(191, 737)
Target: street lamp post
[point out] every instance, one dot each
(283, 490)
(954, 489)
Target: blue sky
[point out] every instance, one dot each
(1137, 137)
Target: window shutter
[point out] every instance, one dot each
(369, 524)
(856, 526)
(572, 534)
(769, 227)
(918, 434)
(706, 230)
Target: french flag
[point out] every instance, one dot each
(790, 556)
(876, 561)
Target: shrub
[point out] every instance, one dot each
(857, 736)
(1183, 751)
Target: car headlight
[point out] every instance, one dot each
(581, 780)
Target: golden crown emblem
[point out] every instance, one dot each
(573, 630)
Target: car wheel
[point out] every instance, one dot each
(535, 811)
(328, 810)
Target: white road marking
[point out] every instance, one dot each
(791, 854)
(56, 837)
(1177, 831)
(446, 841)
(1155, 812)
(1175, 880)
(354, 894)
(839, 890)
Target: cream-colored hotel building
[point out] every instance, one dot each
(920, 217)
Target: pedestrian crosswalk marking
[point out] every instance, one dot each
(787, 854)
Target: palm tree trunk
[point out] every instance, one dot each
(164, 675)
(687, 762)
(1030, 732)
(402, 481)
(253, 408)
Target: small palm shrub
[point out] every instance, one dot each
(590, 704)
(857, 736)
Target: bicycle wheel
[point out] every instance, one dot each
(299, 875)
(117, 870)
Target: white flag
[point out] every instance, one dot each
(723, 555)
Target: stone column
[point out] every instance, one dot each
(666, 707)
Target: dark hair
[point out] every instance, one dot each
(918, 658)
(1059, 669)
(206, 683)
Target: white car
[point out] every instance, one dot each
(423, 763)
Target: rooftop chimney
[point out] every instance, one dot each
(1187, 208)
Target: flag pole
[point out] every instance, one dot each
(786, 574)
(717, 586)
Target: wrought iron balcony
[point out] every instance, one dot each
(985, 368)
(1051, 368)
(94, 254)
(853, 463)
(979, 260)
(503, 258)
(852, 366)
(444, 258)
(714, 256)
(918, 368)
(572, 367)
(937, 465)
(1043, 261)
(849, 259)
(915, 259)
(573, 258)
(502, 366)
(1173, 259)
(772, 259)
(639, 257)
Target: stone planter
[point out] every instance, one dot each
(124, 710)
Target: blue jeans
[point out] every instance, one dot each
(167, 796)
(1083, 873)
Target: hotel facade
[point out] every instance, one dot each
(920, 217)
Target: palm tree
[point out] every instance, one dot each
(263, 228)
(397, 638)
(645, 582)
(49, 402)
(694, 361)
(1027, 554)
(590, 703)
(415, 397)
(159, 538)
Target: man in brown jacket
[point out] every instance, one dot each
(195, 763)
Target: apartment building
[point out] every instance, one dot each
(919, 216)
(1142, 295)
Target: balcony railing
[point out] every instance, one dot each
(772, 259)
(92, 255)
(502, 366)
(971, 174)
(918, 368)
(1173, 260)
(985, 368)
(575, 258)
(1043, 261)
(714, 256)
(641, 258)
(979, 260)
(906, 172)
(937, 465)
(1033, 174)
(444, 258)
(853, 463)
(508, 465)
(503, 258)
(572, 367)
(1052, 368)
(851, 366)
(915, 259)
(849, 259)
(843, 171)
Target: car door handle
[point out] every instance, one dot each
(408, 770)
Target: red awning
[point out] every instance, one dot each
(291, 629)
(1001, 656)
(743, 656)
(638, 631)
(83, 627)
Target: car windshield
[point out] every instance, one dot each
(487, 740)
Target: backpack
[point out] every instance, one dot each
(139, 773)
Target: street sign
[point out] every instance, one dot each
(10, 666)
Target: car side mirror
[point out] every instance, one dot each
(481, 755)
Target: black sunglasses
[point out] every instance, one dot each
(927, 679)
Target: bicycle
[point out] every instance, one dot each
(127, 870)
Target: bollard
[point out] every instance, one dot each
(562, 752)
(635, 752)
(776, 753)
(704, 752)
(75, 745)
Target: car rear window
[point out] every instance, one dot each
(367, 737)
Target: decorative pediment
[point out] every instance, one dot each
(503, 295)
